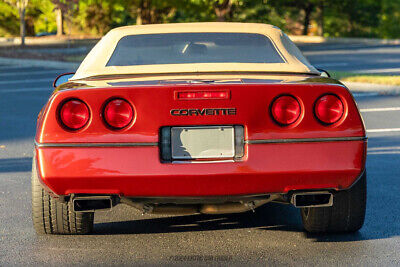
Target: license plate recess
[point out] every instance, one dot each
(202, 142)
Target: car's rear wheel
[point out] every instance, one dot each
(50, 216)
(346, 215)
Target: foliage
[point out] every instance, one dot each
(8, 20)
(95, 15)
(42, 14)
(357, 18)
(21, 6)
(65, 5)
(369, 18)
(389, 19)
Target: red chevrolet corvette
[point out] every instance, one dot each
(204, 118)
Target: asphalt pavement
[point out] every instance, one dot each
(358, 58)
(271, 236)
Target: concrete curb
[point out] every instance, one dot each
(16, 41)
(39, 63)
(380, 89)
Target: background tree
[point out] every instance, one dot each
(192, 11)
(21, 7)
(61, 8)
(353, 17)
(358, 18)
(98, 16)
(222, 9)
(307, 7)
(258, 11)
(41, 12)
(389, 19)
(152, 11)
(8, 20)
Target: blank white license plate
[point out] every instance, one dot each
(203, 142)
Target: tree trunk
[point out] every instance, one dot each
(321, 19)
(143, 12)
(60, 22)
(307, 16)
(148, 12)
(22, 28)
(221, 10)
(139, 20)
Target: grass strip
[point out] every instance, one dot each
(366, 78)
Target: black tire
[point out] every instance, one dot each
(346, 215)
(50, 216)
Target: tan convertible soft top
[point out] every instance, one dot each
(95, 62)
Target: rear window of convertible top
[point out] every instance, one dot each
(181, 48)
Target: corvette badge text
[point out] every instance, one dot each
(203, 112)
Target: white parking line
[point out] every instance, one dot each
(49, 89)
(384, 148)
(379, 109)
(383, 130)
(27, 81)
(8, 68)
(384, 153)
(332, 64)
(363, 94)
(31, 73)
(388, 70)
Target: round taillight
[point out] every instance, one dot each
(286, 110)
(329, 109)
(118, 113)
(74, 114)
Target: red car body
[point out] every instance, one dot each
(199, 118)
(98, 160)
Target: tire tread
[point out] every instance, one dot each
(346, 215)
(51, 216)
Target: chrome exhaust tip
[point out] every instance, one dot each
(92, 203)
(312, 199)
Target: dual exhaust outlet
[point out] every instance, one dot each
(312, 199)
(298, 199)
(92, 203)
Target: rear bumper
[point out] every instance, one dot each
(138, 172)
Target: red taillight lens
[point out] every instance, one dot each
(286, 110)
(329, 109)
(74, 114)
(118, 113)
